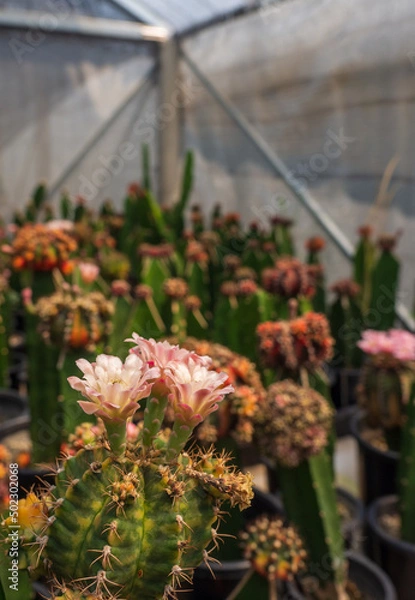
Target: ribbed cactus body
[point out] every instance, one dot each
(126, 526)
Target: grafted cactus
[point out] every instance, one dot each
(132, 519)
(293, 431)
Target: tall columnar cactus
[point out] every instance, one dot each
(314, 247)
(407, 471)
(156, 267)
(6, 306)
(254, 306)
(98, 530)
(363, 265)
(346, 323)
(225, 325)
(384, 288)
(74, 323)
(293, 430)
(281, 235)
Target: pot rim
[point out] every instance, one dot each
(356, 557)
(355, 426)
(373, 522)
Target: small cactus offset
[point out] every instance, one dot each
(293, 431)
(131, 519)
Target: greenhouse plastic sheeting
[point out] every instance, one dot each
(55, 101)
(330, 86)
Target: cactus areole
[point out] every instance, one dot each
(131, 520)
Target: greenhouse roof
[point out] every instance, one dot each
(182, 16)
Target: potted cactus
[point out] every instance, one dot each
(98, 529)
(293, 431)
(388, 392)
(385, 394)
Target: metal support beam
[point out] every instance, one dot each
(92, 142)
(169, 121)
(139, 11)
(242, 11)
(279, 167)
(64, 23)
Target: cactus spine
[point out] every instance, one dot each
(98, 529)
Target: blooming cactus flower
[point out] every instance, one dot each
(395, 342)
(88, 271)
(195, 391)
(163, 354)
(114, 388)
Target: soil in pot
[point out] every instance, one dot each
(392, 554)
(378, 465)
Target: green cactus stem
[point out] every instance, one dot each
(107, 512)
(254, 306)
(363, 265)
(293, 430)
(317, 519)
(177, 216)
(43, 392)
(346, 324)
(225, 324)
(385, 279)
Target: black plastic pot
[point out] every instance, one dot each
(343, 419)
(17, 370)
(378, 469)
(14, 412)
(229, 573)
(42, 592)
(352, 528)
(394, 556)
(29, 477)
(343, 390)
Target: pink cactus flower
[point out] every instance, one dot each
(27, 294)
(195, 391)
(163, 354)
(113, 388)
(88, 271)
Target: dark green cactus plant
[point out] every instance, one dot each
(346, 324)
(314, 246)
(363, 265)
(384, 286)
(293, 431)
(98, 529)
